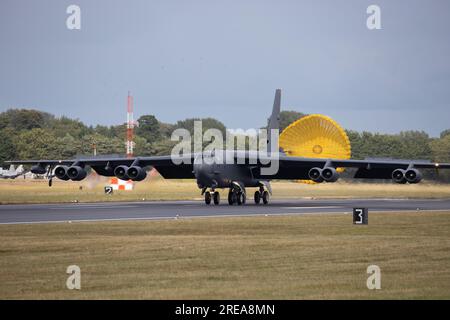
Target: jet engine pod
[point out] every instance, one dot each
(398, 176)
(61, 172)
(330, 174)
(38, 169)
(315, 174)
(121, 172)
(136, 173)
(76, 173)
(413, 176)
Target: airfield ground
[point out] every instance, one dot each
(274, 257)
(156, 188)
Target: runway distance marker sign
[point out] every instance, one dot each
(360, 216)
(108, 190)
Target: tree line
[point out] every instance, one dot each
(33, 134)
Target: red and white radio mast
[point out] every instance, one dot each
(130, 126)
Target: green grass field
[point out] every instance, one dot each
(274, 257)
(37, 191)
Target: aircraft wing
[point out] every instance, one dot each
(105, 166)
(298, 168)
(97, 161)
(289, 167)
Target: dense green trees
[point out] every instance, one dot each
(405, 145)
(207, 123)
(7, 145)
(440, 148)
(445, 133)
(24, 119)
(36, 143)
(287, 117)
(148, 128)
(31, 134)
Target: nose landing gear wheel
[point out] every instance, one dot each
(257, 197)
(216, 198)
(207, 197)
(265, 197)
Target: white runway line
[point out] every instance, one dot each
(325, 207)
(88, 220)
(223, 215)
(91, 207)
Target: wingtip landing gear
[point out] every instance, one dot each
(49, 175)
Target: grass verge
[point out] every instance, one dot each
(275, 257)
(91, 190)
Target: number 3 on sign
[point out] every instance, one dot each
(360, 216)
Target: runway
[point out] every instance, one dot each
(158, 210)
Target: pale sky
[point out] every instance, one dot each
(224, 59)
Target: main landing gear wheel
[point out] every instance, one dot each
(265, 197)
(216, 198)
(257, 197)
(231, 198)
(261, 194)
(240, 198)
(207, 197)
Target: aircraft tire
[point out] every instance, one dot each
(216, 198)
(257, 197)
(208, 197)
(231, 198)
(240, 197)
(265, 197)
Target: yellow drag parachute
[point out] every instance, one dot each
(315, 136)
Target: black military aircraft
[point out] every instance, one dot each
(246, 169)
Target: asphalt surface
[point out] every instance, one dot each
(45, 213)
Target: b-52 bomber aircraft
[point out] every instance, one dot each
(246, 171)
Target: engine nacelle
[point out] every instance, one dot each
(38, 169)
(398, 176)
(76, 173)
(121, 172)
(315, 174)
(136, 173)
(330, 174)
(61, 172)
(413, 175)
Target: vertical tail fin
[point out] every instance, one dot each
(274, 120)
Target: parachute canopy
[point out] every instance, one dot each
(315, 136)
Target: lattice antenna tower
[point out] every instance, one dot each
(130, 127)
